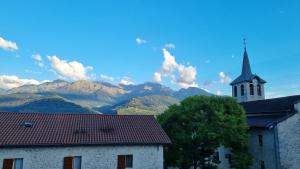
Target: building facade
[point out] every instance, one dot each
(274, 123)
(90, 157)
(78, 141)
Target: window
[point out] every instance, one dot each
(125, 161)
(259, 90)
(228, 156)
(13, 163)
(242, 90)
(72, 162)
(260, 140)
(235, 91)
(216, 157)
(251, 89)
(262, 165)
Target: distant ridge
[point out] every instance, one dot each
(84, 96)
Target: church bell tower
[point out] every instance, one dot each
(247, 87)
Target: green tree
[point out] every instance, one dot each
(201, 124)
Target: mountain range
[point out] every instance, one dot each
(85, 96)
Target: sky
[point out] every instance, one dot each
(180, 44)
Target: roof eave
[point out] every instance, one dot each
(79, 145)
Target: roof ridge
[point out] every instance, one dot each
(276, 98)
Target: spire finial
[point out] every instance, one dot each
(245, 43)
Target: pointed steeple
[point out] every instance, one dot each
(246, 64)
(246, 75)
(247, 87)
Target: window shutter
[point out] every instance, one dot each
(8, 164)
(77, 162)
(19, 163)
(129, 160)
(68, 163)
(121, 162)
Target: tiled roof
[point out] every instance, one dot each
(265, 113)
(79, 129)
(276, 105)
(263, 121)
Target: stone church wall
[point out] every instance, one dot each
(289, 141)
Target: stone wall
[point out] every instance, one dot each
(93, 157)
(289, 141)
(266, 152)
(224, 162)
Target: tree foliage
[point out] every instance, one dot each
(201, 124)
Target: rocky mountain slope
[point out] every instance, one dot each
(27, 102)
(93, 97)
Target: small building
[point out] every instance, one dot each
(80, 141)
(274, 123)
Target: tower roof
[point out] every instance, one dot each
(246, 75)
(246, 70)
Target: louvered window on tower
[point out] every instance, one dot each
(235, 91)
(259, 90)
(251, 89)
(242, 90)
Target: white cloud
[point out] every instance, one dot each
(37, 57)
(126, 81)
(107, 78)
(157, 77)
(187, 74)
(38, 60)
(219, 93)
(46, 81)
(32, 71)
(181, 75)
(8, 82)
(71, 70)
(224, 79)
(206, 90)
(8, 45)
(169, 64)
(140, 41)
(170, 46)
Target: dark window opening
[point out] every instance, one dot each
(125, 161)
(216, 158)
(72, 162)
(251, 89)
(235, 91)
(262, 165)
(260, 140)
(242, 90)
(259, 90)
(228, 156)
(13, 163)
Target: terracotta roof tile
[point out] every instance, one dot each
(79, 129)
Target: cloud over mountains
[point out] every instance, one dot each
(181, 75)
(8, 82)
(73, 70)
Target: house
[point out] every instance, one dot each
(274, 123)
(75, 141)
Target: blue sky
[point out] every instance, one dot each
(126, 41)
